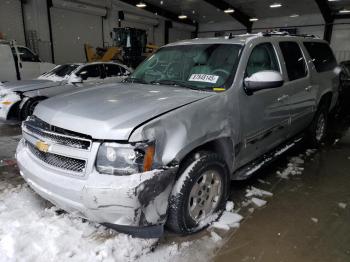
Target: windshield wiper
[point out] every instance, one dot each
(179, 83)
(135, 80)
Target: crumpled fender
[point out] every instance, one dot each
(180, 131)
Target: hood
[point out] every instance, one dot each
(26, 85)
(112, 112)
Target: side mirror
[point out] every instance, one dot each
(263, 80)
(74, 79)
(83, 75)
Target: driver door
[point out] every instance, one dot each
(264, 114)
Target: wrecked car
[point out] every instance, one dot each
(18, 99)
(161, 147)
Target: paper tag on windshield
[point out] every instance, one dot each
(204, 78)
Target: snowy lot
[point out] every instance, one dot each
(31, 229)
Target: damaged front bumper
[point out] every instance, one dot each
(6, 104)
(135, 204)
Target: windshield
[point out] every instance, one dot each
(60, 71)
(199, 66)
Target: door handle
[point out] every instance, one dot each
(282, 98)
(308, 89)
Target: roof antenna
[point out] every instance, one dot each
(230, 36)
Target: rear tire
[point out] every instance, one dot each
(200, 191)
(317, 132)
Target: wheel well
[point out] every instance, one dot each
(221, 146)
(326, 99)
(30, 99)
(13, 113)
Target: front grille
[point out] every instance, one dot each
(60, 139)
(43, 130)
(63, 162)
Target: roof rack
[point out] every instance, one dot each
(285, 33)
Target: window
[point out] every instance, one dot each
(62, 70)
(294, 59)
(90, 71)
(263, 57)
(321, 55)
(123, 71)
(112, 70)
(26, 55)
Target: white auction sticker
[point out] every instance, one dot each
(204, 78)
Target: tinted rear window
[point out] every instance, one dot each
(322, 56)
(294, 59)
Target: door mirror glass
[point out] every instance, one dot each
(263, 80)
(83, 75)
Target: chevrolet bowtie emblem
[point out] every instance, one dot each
(42, 146)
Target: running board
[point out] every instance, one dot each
(248, 170)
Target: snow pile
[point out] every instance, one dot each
(295, 165)
(227, 220)
(342, 205)
(258, 202)
(293, 168)
(229, 206)
(253, 191)
(31, 230)
(314, 219)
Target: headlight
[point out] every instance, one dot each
(124, 159)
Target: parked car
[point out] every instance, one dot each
(19, 99)
(19, 62)
(161, 147)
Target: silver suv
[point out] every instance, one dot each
(161, 148)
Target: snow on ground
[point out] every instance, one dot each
(31, 229)
(258, 202)
(342, 205)
(253, 191)
(295, 165)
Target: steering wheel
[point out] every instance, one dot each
(171, 71)
(221, 72)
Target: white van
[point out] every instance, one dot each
(20, 63)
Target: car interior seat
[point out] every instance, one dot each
(259, 60)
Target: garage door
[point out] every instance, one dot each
(11, 28)
(70, 31)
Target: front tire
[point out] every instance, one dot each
(200, 191)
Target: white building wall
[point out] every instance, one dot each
(11, 23)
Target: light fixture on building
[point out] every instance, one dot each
(275, 5)
(294, 15)
(141, 5)
(253, 19)
(344, 11)
(229, 11)
(182, 16)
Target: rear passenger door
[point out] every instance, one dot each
(298, 90)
